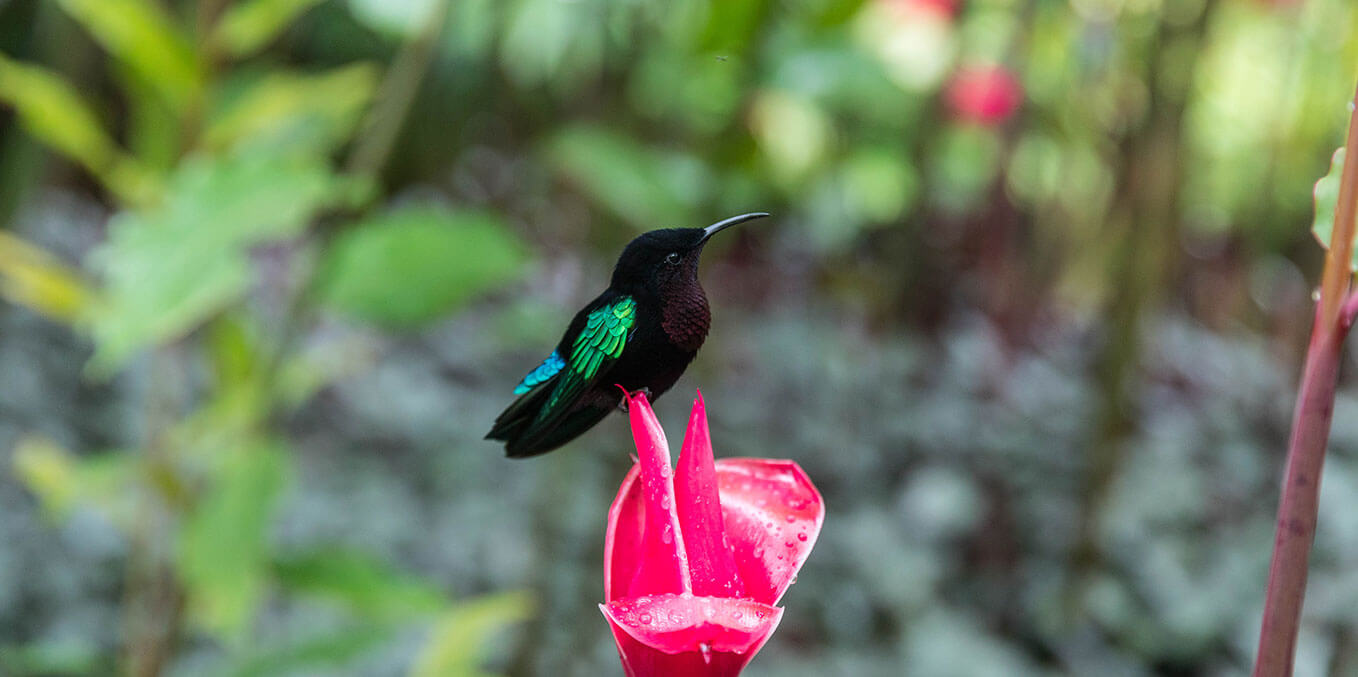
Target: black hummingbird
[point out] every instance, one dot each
(640, 333)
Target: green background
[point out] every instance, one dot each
(270, 268)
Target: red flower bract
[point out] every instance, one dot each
(984, 94)
(695, 559)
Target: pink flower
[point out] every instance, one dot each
(945, 9)
(696, 559)
(985, 95)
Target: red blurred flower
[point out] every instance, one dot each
(944, 8)
(694, 562)
(985, 95)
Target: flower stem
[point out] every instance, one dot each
(1297, 510)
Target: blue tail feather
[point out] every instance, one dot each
(542, 372)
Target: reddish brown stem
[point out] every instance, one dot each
(1348, 312)
(1297, 510)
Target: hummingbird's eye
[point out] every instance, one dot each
(673, 258)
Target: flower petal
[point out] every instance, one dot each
(772, 515)
(711, 564)
(622, 541)
(659, 563)
(677, 624)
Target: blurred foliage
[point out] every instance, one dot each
(1027, 315)
(227, 161)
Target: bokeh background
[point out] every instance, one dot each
(1030, 313)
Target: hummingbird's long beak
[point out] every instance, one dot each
(727, 223)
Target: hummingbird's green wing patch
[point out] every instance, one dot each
(598, 345)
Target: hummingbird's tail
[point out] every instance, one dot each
(526, 432)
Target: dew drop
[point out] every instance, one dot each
(706, 650)
(664, 471)
(758, 553)
(665, 503)
(801, 536)
(667, 536)
(736, 615)
(791, 519)
(789, 545)
(645, 619)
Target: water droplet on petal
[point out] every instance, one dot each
(758, 553)
(706, 651)
(667, 536)
(791, 519)
(801, 536)
(645, 619)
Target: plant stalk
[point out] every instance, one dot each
(1297, 510)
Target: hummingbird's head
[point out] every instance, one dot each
(658, 259)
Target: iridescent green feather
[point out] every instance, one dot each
(600, 342)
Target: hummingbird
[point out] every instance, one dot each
(640, 334)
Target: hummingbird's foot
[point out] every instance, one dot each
(622, 405)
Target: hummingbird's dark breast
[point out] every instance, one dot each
(667, 339)
(686, 317)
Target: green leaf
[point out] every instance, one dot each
(154, 130)
(794, 133)
(363, 584)
(557, 45)
(1327, 197)
(223, 545)
(397, 18)
(32, 277)
(169, 268)
(963, 165)
(52, 657)
(292, 112)
(331, 650)
(49, 472)
(408, 267)
(54, 113)
(455, 645)
(140, 34)
(248, 26)
(62, 481)
(646, 187)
